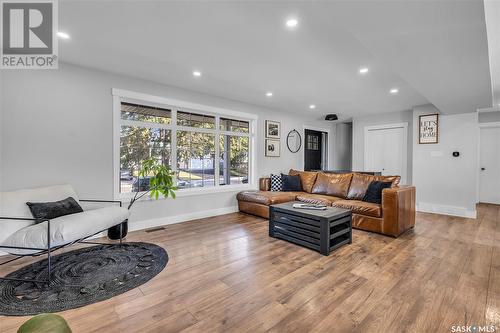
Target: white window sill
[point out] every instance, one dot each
(188, 192)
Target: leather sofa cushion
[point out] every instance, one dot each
(307, 179)
(395, 180)
(266, 197)
(317, 198)
(332, 184)
(360, 183)
(360, 207)
(265, 184)
(254, 209)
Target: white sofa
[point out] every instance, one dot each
(63, 230)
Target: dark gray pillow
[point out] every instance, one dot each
(51, 210)
(374, 192)
(291, 183)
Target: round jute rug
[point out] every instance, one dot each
(81, 277)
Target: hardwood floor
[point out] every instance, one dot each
(226, 274)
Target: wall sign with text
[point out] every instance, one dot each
(429, 128)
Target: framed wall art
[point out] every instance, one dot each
(272, 148)
(428, 129)
(273, 129)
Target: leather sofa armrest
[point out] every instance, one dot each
(265, 184)
(398, 209)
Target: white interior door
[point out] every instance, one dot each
(385, 150)
(489, 162)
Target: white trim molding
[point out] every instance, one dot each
(328, 138)
(446, 210)
(490, 124)
(163, 101)
(120, 95)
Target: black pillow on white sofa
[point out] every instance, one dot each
(52, 210)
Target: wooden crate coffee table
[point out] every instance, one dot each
(320, 230)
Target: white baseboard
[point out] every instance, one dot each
(151, 223)
(446, 210)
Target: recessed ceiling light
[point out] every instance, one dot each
(292, 22)
(196, 73)
(269, 94)
(363, 70)
(394, 90)
(62, 35)
(312, 106)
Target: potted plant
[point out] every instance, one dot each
(160, 182)
(45, 323)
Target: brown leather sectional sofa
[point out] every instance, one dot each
(394, 216)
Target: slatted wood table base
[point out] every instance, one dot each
(319, 230)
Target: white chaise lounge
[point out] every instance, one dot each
(19, 235)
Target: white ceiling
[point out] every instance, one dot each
(492, 17)
(432, 51)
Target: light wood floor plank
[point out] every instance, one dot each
(226, 275)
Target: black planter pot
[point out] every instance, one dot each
(114, 232)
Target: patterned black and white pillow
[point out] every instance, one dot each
(276, 183)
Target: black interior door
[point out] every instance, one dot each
(312, 150)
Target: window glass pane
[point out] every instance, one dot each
(131, 111)
(232, 125)
(195, 159)
(136, 145)
(195, 120)
(233, 160)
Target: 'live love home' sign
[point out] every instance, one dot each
(429, 128)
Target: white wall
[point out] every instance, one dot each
(57, 128)
(358, 139)
(447, 184)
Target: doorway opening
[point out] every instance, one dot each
(489, 163)
(315, 150)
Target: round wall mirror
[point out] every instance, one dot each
(293, 141)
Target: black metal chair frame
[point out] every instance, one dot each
(49, 250)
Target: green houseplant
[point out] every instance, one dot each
(161, 183)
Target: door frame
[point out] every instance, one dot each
(404, 126)
(478, 161)
(327, 144)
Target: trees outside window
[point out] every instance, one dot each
(205, 146)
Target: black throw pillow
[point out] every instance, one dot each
(51, 210)
(374, 192)
(291, 183)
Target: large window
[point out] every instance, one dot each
(203, 150)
